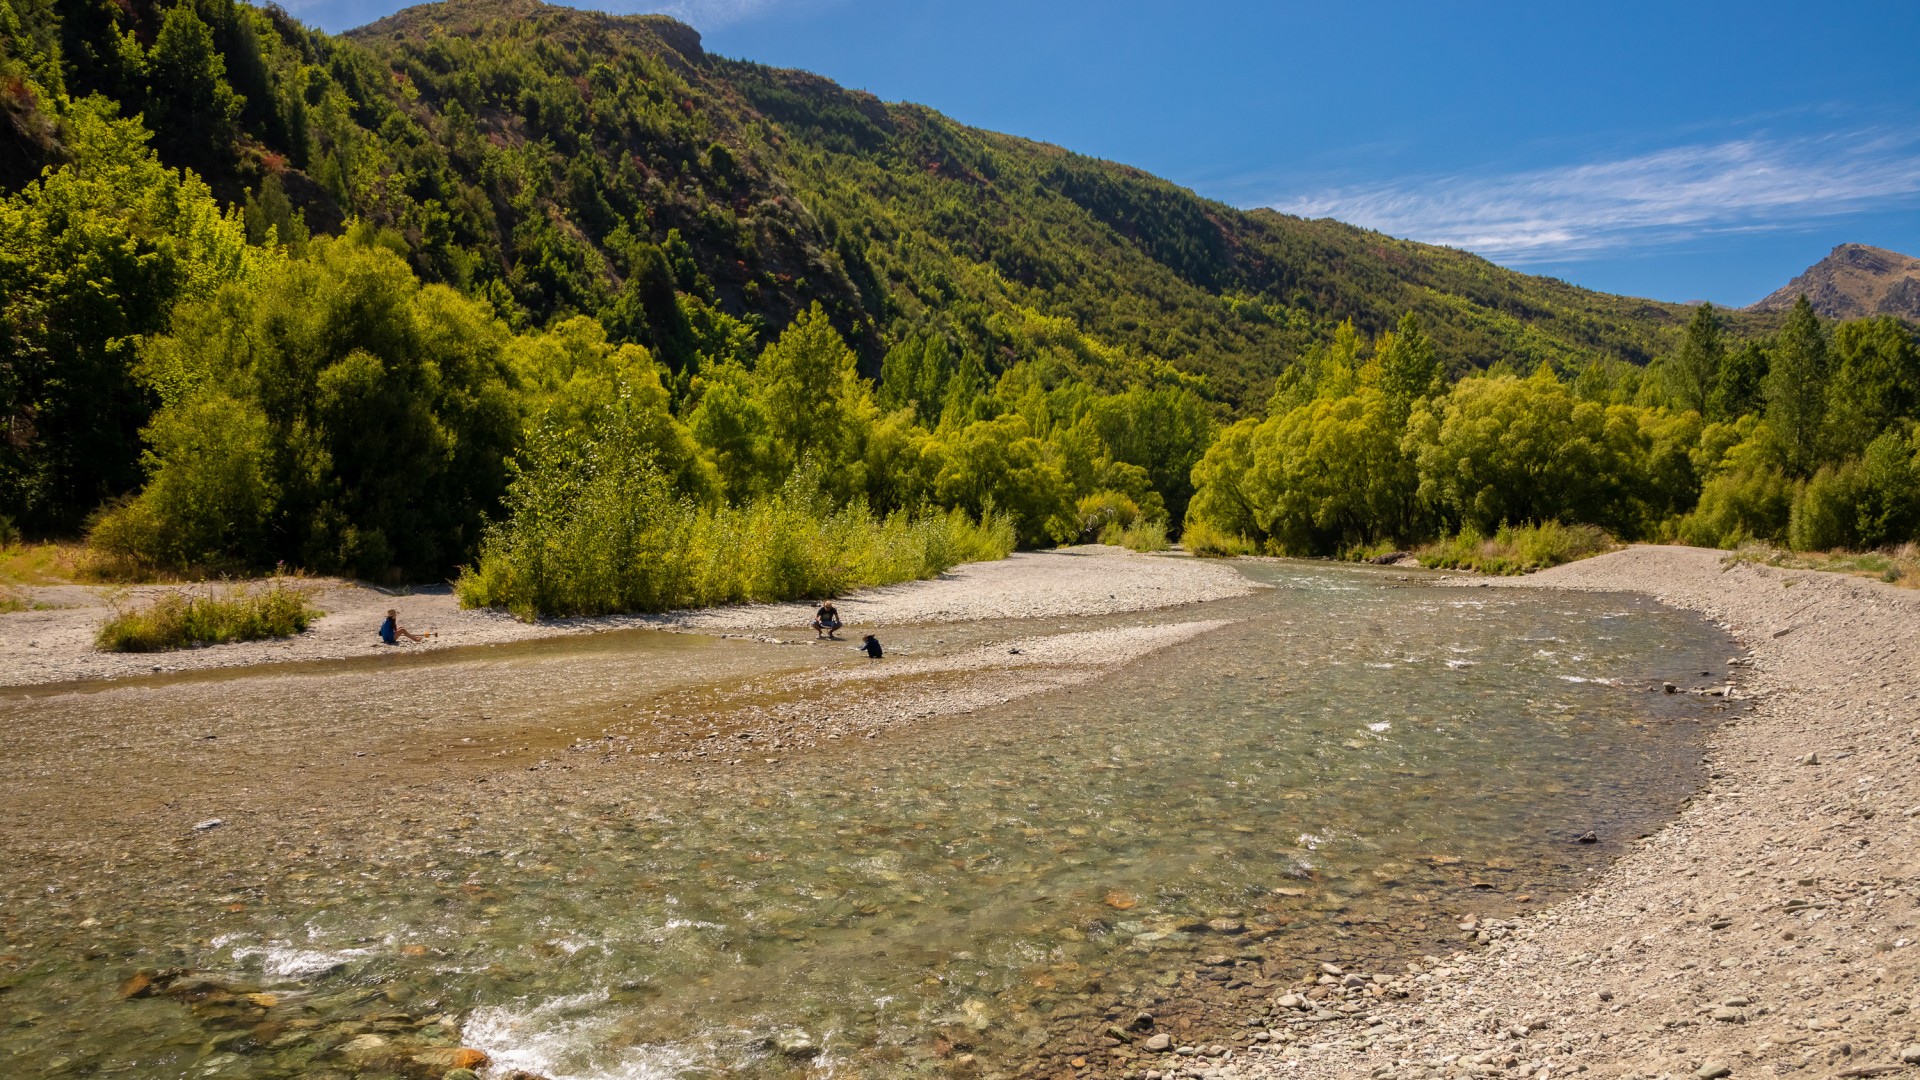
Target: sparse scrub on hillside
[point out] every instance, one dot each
(178, 620)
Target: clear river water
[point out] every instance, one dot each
(1355, 761)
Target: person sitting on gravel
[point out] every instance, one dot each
(871, 646)
(826, 621)
(391, 631)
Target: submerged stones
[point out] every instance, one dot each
(793, 1043)
(452, 1058)
(1066, 883)
(243, 1020)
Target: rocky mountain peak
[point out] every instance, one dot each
(1852, 282)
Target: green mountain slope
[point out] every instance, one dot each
(345, 301)
(559, 161)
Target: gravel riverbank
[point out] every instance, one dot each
(1769, 931)
(56, 644)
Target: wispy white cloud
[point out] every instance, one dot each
(1586, 210)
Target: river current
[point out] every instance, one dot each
(1353, 763)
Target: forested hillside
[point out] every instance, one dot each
(341, 301)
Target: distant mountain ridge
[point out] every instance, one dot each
(1853, 282)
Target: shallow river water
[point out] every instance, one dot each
(1340, 773)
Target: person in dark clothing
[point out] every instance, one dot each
(391, 631)
(871, 646)
(827, 621)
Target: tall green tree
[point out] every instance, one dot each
(1221, 498)
(1875, 380)
(189, 99)
(647, 311)
(1796, 388)
(915, 373)
(1331, 474)
(1409, 364)
(1693, 370)
(999, 465)
(389, 420)
(1504, 450)
(1739, 389)
(93, 256)
(817, 406)
(1163, 430)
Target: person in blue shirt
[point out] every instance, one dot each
(391, 631)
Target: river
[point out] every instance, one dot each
(507, 849)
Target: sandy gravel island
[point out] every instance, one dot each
(56, 645)
(1769, 931)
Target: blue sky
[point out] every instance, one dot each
(1683, 151)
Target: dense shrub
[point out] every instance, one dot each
(1516, 549)
(1330, 474)
(1888, 510)
(179, 620)
(209, 500)
(1223, 507)
(1503, 449)
(1203, 538)
(335, 413)
(1140, 536)
(1737, 506)
(600, 530)
(1747, 494)
(1103, 511)
(1859, 504)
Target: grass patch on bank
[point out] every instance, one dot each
(1207, 541)
(179, 620)
(1143, 536)
(615, 538)
(1897, 566)
(23, 564)
(1514, 549)
(42, 564)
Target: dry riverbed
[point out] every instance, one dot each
(1771, 930)
(253, 776)
(55, 643)
(1767, 931)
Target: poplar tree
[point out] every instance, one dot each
(188, 93)
(1409, 367)
(1796, 387)
(1694, 370)
(1737, 390)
